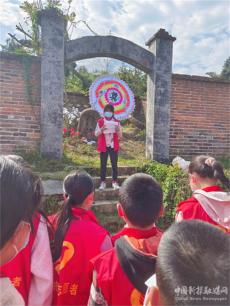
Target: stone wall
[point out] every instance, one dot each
(19, 103)
(78, 100)
(200, 110)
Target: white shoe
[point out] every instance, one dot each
(115, 185)
(102, 186)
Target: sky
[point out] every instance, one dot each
(202, 28)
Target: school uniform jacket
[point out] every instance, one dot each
(73, 270)
(120, 274)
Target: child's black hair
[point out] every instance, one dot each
(213, 170)
(141, 198)
(193, 254)
(77, 186)
(109, 107)
(20, 194)
(38, 190)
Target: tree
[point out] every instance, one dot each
(79, 80)
(13, 46)
(31, 44)
(135, 78)
(225, 73)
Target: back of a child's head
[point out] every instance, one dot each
(192, 254)
(19, 196)
(141, 198)
(77, 186)
(208, 167)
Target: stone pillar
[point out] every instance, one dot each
(52, 82)
(159, 97)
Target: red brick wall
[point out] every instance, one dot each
(19, 111)
(200, 116)
(200, 111)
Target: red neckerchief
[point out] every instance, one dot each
(212, 188)
(135, 233)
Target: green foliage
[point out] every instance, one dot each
(26, 61)
(31, 21)
(78, 154)
(43, 164)
(225, 73)
(135, 78)
(174, 183)
(13, 46)
(109, 218)
(107, 215)
(225, 160)
(52, 204)
(31, 44)
(79, 80)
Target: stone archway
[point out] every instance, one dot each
(156, 62)
(109, 46)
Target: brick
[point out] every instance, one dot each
(199, 114)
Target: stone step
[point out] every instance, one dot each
(109, 181)
(106, 195)
(54, 187)
(104, 203)
(105, 207)
(122, 170)
(94, 172)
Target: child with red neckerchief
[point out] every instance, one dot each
(209, 203)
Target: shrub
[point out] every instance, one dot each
(52, 204)
(174, 183)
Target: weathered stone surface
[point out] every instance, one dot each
(52, 82)
(159, 97)
(110, 46)
(54, 187)
(157, 62)
(87, 123)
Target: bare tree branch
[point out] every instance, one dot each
(86, 24)
(23, 42)
(18, 41)
(20, 29)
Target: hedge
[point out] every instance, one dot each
(174, 183)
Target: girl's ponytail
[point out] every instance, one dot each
(77, 186)
(64, 219)
(207, 166)
(218, 173)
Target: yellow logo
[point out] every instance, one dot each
(65, 258)
(136, 298)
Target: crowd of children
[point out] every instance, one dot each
(140, 265)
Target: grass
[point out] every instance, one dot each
(109, 219)
(78, 154)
